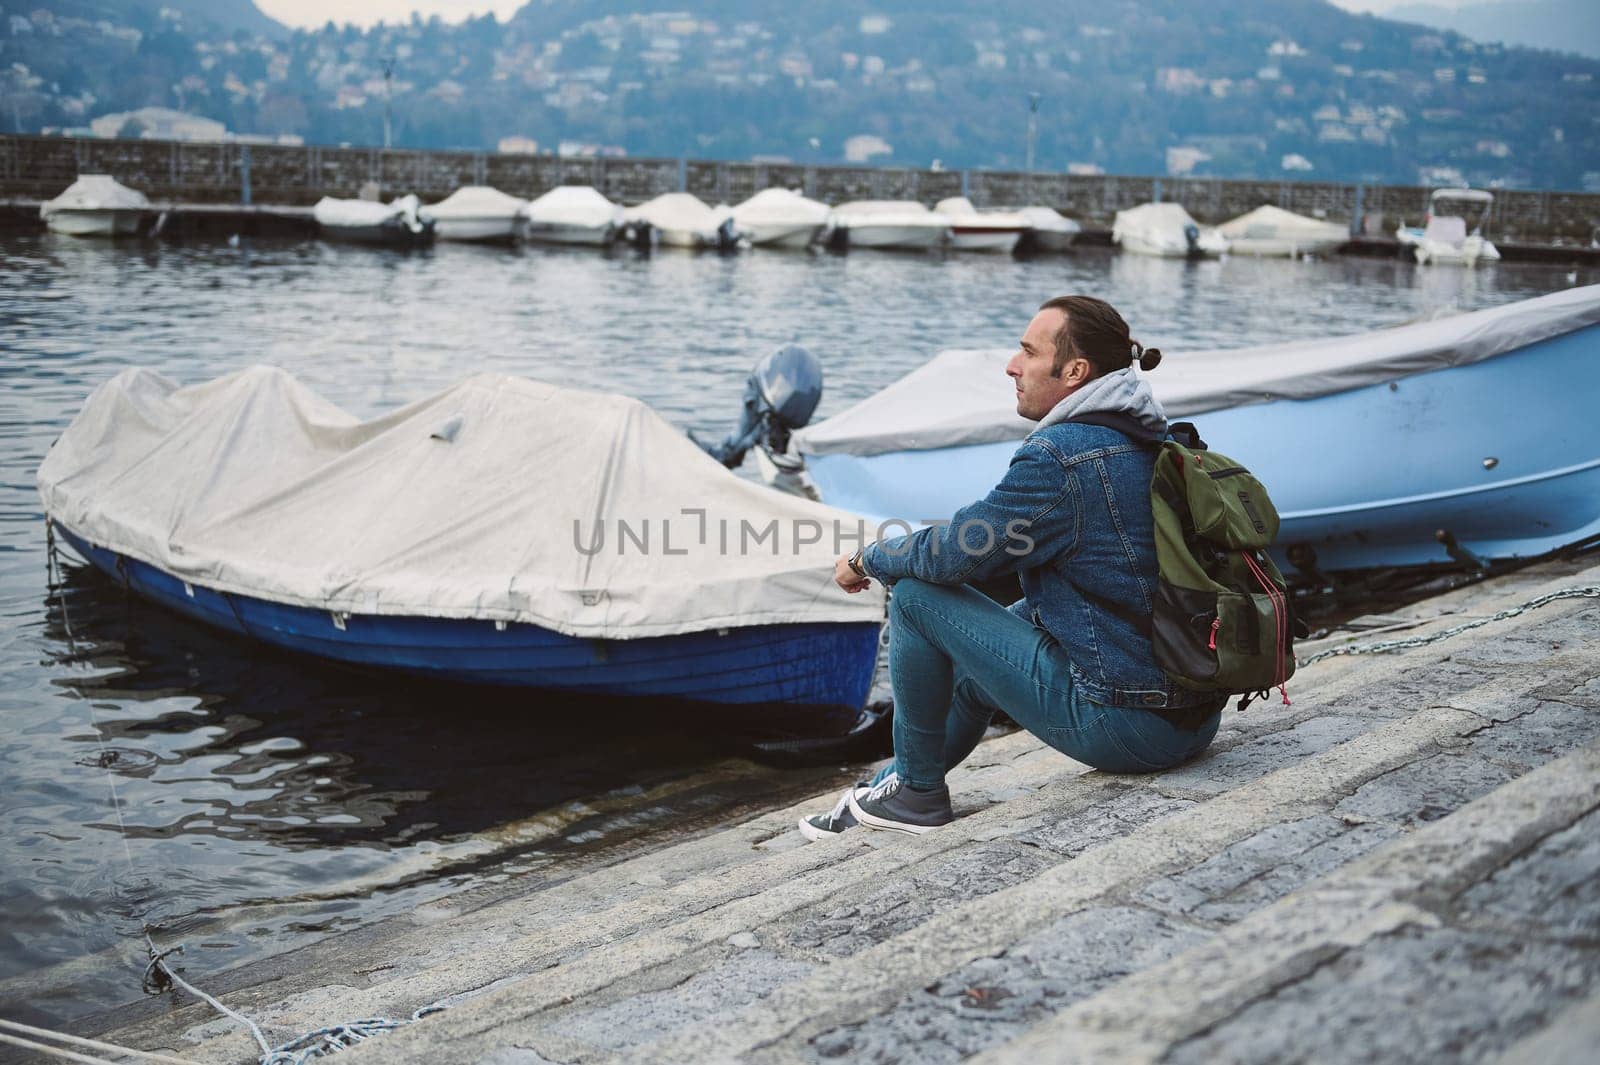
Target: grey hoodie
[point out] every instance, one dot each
(1121, 392)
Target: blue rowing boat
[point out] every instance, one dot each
(439, 542)
(1463, 439)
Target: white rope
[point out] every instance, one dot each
(261, 1040)
(295, 1052)
(53, 1051)
(92, 1044)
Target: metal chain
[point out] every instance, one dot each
(1587, 591)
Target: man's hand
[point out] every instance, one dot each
(846, 578)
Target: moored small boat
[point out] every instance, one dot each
(95, 205)
(1446, 238)
(501, 532)
(1165, 230)
(897, 224)
(572, 214)
(974, 230)
(781, 218)
(1434, 442)
(681, 220)
(1048, 230)
(399, 223)
(1272, 231)
(476, 213)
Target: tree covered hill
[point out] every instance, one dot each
(1259, 88)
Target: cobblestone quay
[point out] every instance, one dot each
(1404, 865)
(37, 168)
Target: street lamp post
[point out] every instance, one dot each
(1033, 131)
(388, 76)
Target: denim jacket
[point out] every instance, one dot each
(1072, 518)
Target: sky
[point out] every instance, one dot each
(310, 13)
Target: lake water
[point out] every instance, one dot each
(268, 800)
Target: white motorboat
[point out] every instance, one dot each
(782, 218)
(975, 230)
(890, 224)
(681, 220)
(1445, 238)
(1165, 229)
(572, 214)
(399, 222)
(1049, 229)
(1273, 231)
(476, 212)
(1425, 452)
(96, 205)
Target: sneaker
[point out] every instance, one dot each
(836, 820)
(901, 809)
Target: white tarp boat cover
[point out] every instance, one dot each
(1274, 223)
(475, 201)
(959, 211)
(580, 205)
(472, 503)
(367, 213)
(886, 213)
(95, 192)
(963, 397)
(678, 211)
(776, 207)
(1049, 220)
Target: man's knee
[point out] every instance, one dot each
(910, 595)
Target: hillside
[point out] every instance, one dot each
(1561, 25)
(1256, 88)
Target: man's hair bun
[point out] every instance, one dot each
(1149, 358)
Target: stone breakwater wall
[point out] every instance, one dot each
(186, 172)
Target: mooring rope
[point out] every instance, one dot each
(39, 1035)
(159, 975)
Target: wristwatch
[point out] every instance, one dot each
(854, 562)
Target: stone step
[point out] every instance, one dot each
(1456, 941)
(538, 1009)
(805, 906)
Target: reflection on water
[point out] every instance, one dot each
(269, 799)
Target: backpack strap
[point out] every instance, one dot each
(1126, 424)
(1186, 434)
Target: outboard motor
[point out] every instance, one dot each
(728, 237)
(1191, 233)
(780, 396)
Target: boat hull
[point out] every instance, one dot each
(782, 234)
(395, 236)
(487, 230)
(1470, 252)
(1283, 247)
(1051, 240)
(985, 238)
(1367, 477)
(569, 232)
(912, 238)
(823, 670)
(95, 222)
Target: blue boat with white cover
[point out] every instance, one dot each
(501, 532)
(1462, 438)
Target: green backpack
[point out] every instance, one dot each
(1222, 620)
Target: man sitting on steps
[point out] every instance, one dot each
(1071, 661)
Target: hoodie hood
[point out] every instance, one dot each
(1122, 393)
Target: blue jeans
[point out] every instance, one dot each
(956, 657)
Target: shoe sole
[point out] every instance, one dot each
(815, 834)
(885, 825)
